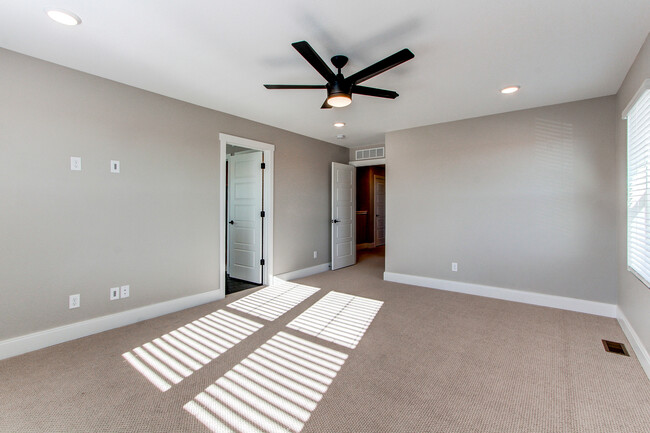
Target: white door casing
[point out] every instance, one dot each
(244, 211)
(380, 210)
(268, 150)
(344, 180)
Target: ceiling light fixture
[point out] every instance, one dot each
(339, 100)
(63, 17)
(339, 94)
(340, 137)
(339, 124)
(509, 89)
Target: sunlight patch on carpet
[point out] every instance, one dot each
(274, 389)
(338, 317)
(273, 301)
(169, 359)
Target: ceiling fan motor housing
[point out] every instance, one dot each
(339, 87)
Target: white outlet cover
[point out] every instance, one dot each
(75, 163)
(74, 301)
(115, 166)
(124, 291)
(454, 267)
(114, 293)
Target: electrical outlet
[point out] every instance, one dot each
(74, 301)
(454, 267)
(114, 293)
(75, 163)
(315, 254)
(124, 291)
(115, 166)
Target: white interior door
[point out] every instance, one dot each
(380, 210)
(244, 212)
(344, 181)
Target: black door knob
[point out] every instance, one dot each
(231, 222)
(335, 221)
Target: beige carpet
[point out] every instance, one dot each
(430, 361)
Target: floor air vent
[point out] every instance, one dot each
(614, 347)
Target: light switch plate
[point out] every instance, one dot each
(124, 291)
(114, 293)
(115, 166)
(75, 163)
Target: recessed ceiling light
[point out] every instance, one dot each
(509, 89)
(339, 124)
(340, 136)
(63, 17)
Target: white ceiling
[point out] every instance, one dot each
(217, 54)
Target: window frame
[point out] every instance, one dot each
(634, 158)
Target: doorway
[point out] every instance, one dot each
(371, 206)
(245, 213)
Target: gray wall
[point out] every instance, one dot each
(154, 226)
(633, 296)
(523, 200)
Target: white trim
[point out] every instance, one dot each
(637, 345)
(245, 142)
(374, 210)
(267, 251)
(644, 86)
(302, 273)
(368, 162)
(38, 340)
(553, 301)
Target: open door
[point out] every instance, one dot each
(344, 188)
(245, 214)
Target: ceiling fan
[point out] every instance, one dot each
(339, 88)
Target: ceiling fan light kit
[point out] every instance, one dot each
(340, 89)
(339, 101)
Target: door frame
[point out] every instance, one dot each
(375, 178)
(267, 222)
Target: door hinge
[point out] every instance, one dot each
(263, 165)
(262, 262)
(263, 214)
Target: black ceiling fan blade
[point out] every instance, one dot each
(295, 86)
(314, 59)
(325, 105)
(381, 66)
(373, 91)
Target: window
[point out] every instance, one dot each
(638, 183)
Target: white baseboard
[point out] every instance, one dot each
(302, 273)
(561, 302)
(49, 337)
(637, 345)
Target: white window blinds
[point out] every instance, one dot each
(638, 184)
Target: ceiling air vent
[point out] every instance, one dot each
(614, 347)
(376, 152)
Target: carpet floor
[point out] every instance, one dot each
(422, 361)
